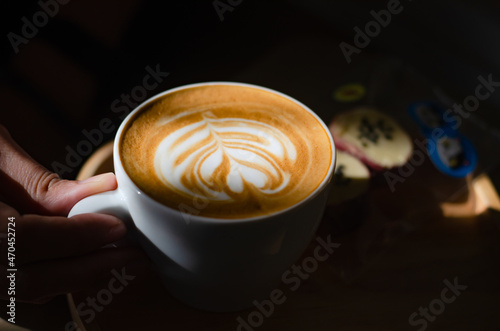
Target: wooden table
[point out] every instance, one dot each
(382, 273)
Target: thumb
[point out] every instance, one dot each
(62, 195)
(30, 187)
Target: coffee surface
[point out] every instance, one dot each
(225, 151)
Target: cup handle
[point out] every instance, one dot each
(110, 202)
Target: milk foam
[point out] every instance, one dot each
(219, 158)
(225, 151)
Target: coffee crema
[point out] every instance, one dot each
(225, 151)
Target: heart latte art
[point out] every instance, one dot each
(225, 151)
(221, 158)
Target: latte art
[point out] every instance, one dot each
(225, 151)
(220, 158)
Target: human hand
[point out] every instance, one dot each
(54, 254)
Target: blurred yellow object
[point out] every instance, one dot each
(349, 93)
(482, 196)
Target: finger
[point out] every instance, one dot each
(61, 195)
(47, 237)
(41, 281)
(31, 188)
(20, 175)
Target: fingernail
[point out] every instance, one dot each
(116, 232)
(94, 179)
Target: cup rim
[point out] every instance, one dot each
(208, 219)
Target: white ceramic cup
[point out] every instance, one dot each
(208, 263)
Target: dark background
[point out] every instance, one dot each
(65, 79)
